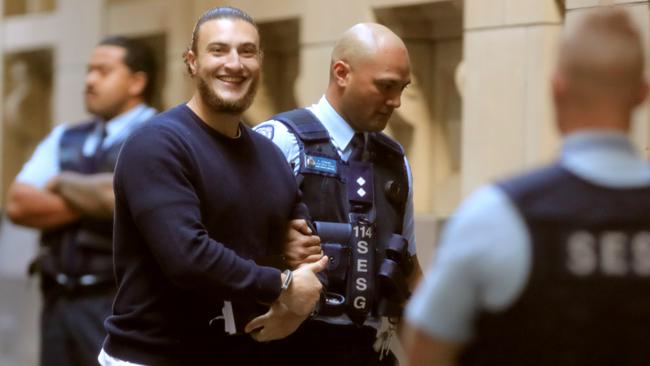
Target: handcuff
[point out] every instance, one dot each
(288, 277)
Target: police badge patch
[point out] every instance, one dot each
(266, 131)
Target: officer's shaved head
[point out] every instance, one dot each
(370, 68)
(603, 55)
(601, 65)
(364, 41)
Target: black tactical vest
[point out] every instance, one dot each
(587, 298)
(84, 247)
(323, 180)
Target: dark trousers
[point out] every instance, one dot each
(320, 344)
(72, 327)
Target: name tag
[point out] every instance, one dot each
(320, 164)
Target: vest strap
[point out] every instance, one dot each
(361, 274)
(304, 124)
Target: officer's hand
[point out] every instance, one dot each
(52, 185)
(276, 323)
(303, 293)
(300, 245)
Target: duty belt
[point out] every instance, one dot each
(75, 284)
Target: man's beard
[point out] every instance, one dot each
(218, 104)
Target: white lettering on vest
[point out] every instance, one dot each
(613, 253)
(582, 260)
(362, 284)
(641, 254)
(362, 232)
(362, 246)
(362, 265)
(359, 302)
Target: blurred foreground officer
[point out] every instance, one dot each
(65, 190)
(553, 267)
(357, 184)
(199, 198)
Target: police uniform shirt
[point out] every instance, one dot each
(341, 135)
(485, 251)
(44, 162)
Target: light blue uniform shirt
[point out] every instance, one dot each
(341, 134)
(44, 162)
(484, 258)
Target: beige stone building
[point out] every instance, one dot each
(479, 106)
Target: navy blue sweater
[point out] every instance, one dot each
(193, 210)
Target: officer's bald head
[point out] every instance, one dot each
(369, 70)
(601, 59)
(365, 41)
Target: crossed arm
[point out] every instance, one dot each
(66, 197)
(92, 194)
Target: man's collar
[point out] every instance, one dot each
(585, 140)
(338, 128)
(119, 122)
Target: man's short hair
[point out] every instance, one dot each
(138, 58)
(220, 12)
(603, 53)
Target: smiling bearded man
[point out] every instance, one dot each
(230, 78)
(199, 198)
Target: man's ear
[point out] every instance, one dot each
(190, 58)
(558, 87)
(559, 91)
(341, 71)
(642, 93)
(139, 82)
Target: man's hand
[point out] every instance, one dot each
(277, 323)
(304, 291)
(292, 307)
(301, 246)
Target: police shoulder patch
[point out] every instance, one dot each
(266, 131)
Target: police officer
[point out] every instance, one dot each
(65, 190)
(357, 185)
(551, 267)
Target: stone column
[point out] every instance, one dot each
(2, 66)
(322, 24)
(509, 51)
(179, 23)
(76, 36)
